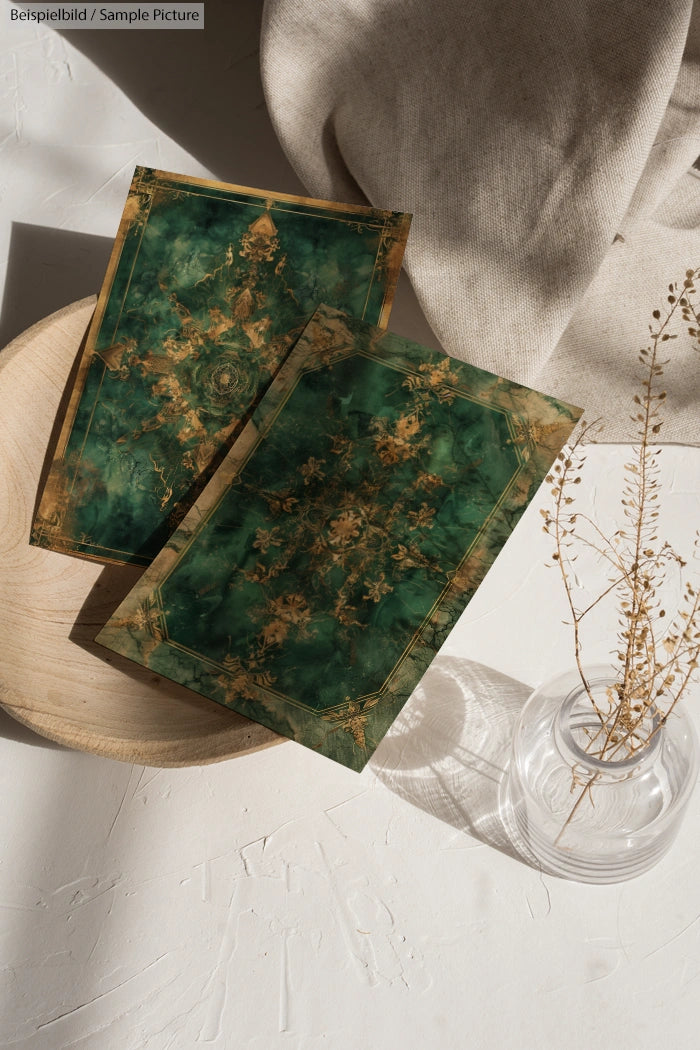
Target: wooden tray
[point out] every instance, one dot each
(53, 677)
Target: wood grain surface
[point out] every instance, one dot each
(53, 677)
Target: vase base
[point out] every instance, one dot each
(567, 863)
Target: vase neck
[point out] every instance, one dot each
(596, 739)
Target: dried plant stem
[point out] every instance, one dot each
(582, 794)
(655, 662)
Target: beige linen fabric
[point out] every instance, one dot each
(543, 147)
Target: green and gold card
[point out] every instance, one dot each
(208, 287)
(319, 572)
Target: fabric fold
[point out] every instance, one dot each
(535, 144)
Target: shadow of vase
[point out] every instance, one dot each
(448, 749)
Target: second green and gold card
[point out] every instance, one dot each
(316, 576)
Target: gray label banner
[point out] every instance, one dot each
(83, 15)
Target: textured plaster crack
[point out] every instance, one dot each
(216, 987)
(603, 976)
(98, 938)
(546, 890)
(344, 802)
(18, 105)
(619, 931)
(129, 164)
(347, 928)
(244, 859)
(81, 896)
(83, 1006)
(49, 197)
(524, 584)
(674, 938)
(96, 1029)
(142, 787)
(123, 800)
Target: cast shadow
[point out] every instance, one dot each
(107, 593)
(47, 269)
(11, 729)
(109, 590)
(202, 88)
(448, 750)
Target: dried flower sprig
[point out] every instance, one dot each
(657, 655)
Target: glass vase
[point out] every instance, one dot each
(587, 818)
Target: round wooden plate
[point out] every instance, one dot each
(53, 677)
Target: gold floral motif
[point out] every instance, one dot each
(260, 242)
(344, 529)
(147, 617)
(273, 633)
(433, 380)
(266, 538)
(376, 589)
(280, 503)
(531, 433)
(292, 608)
(352, 719)
(344, 612)
(421, 518)
(286, 612)
(243, 682)
(141, 194)
(398, 443)
(146, 620)
(411, 558)
(311, 470)
(167, 491)
(428, 481)
(263, 573)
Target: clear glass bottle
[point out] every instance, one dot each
(583, 817)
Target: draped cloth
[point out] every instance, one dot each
(544, 148)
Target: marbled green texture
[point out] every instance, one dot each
(319, 572)
(207, 292)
